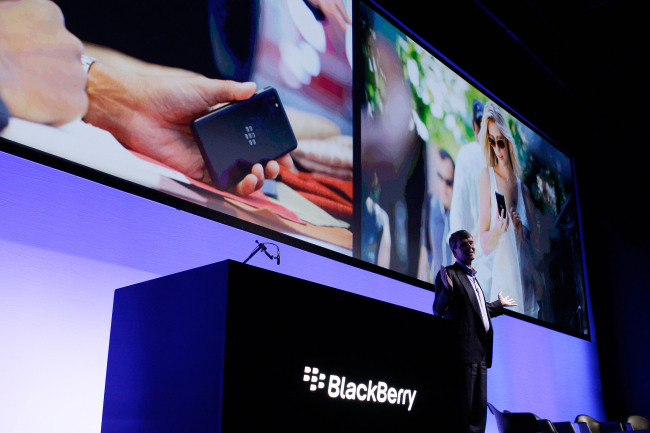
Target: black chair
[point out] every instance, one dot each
(638, 422)
(545, 426)
(600, 426)
(519, 422)
(564, 427)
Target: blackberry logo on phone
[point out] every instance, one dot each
(264, 125)
(249, 134)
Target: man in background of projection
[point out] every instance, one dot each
(463, 212)
(459, 298)
(434, 233)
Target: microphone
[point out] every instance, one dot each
(277, 258)
(263, 248)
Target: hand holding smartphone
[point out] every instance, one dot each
(240, 134)
(501, 203)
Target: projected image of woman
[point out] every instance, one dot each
(502, 234)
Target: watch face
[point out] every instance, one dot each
(86, 61)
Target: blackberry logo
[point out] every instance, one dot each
(249, 135)
(315, 378)
(340, 387)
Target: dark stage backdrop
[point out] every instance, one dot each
(68, 243)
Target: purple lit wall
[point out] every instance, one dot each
(67, 243)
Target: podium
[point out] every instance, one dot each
(229, 347)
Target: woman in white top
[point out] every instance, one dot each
(500, 240)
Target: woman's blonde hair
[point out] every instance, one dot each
(493, 112)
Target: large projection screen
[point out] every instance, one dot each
(427, 172)
(382, 172)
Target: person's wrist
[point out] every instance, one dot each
(108, 98)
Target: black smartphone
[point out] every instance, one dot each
(238, 135)
(501, 202)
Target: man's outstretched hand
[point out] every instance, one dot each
(152, 113)
(506, 301)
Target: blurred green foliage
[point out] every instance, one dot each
(442, 116)
(442, 106)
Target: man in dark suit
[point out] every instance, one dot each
(459, 298)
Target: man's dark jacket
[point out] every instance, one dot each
(460, 305)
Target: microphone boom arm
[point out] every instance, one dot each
(261, 246)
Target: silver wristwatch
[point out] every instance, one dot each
(87, 61)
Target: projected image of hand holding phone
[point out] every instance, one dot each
(155, 108)
(501, 205)
(503, 219)
(508, 215)
(242, 137)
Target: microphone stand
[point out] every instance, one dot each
(261, 246)
(257, 248)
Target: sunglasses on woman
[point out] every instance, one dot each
(500, 142)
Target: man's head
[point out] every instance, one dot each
(462, 246)
(444, 178)
(477, 116)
